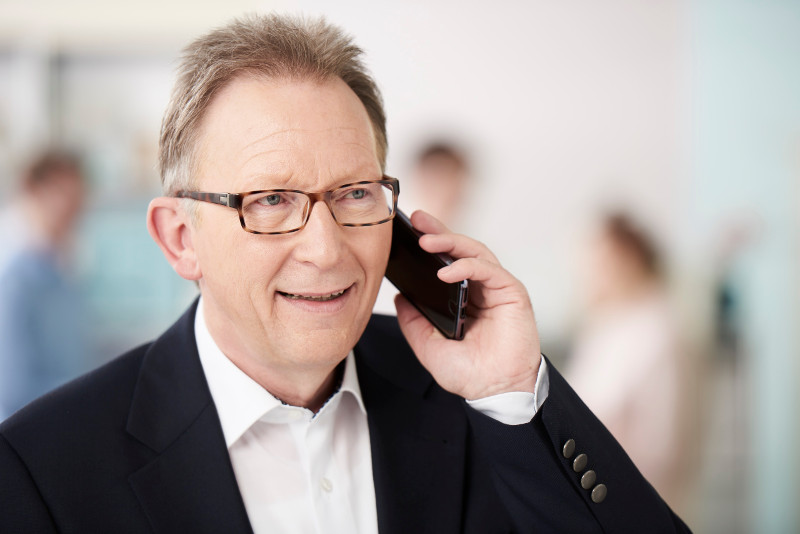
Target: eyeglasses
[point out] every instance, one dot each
(282, 211)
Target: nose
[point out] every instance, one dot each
(320, 242)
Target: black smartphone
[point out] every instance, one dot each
(413, 272)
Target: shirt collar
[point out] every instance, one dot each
(240, 400)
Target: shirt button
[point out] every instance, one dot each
(326, 485)
(295, 415)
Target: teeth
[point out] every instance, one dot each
(320, 298)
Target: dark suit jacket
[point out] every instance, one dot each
(137, 446)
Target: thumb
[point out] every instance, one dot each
(415, 327)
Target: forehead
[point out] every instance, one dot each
(261, 133)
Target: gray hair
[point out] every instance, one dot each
(272, 46)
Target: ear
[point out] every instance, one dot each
(170, 228)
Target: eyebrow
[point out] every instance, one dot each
(271, 182)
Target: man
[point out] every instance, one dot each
(41, 323)
(276, 404)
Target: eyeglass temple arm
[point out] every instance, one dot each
(225, 199)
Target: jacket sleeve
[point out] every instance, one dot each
(22, 509)
(564, 472)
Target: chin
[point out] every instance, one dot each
(322, 332)
(324, 346)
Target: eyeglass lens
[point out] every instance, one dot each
(279, 211)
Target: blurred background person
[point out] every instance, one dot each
(627, 361)
(42, 342)
(439, 180)
(438, 183)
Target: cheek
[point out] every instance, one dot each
(375, 252)
(229, 257)
(255, 263)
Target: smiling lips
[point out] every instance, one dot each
(314, 298)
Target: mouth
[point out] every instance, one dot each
(315, 298)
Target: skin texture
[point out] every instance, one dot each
(261, 134)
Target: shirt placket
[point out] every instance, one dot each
(325, 481)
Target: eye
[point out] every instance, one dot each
(357, 194)
(270, 200)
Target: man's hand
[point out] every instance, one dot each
(500, 351)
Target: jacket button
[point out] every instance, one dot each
(588, 479)
(569, 448)
(580, 463)
(599, 493)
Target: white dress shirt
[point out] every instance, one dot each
(300, 472)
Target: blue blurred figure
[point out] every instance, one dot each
(41, 325)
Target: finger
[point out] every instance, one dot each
(457, 246)
(427, 223)
(495, 286)
(439, 238)
(491, 275)
(415, 327)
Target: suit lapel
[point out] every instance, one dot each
(418, 439)
(189, 486)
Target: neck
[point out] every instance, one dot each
(311, 398)
(633, 291)
(46, 229)
(306, 388)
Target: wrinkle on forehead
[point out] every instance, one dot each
(291, 165)
(288, 132)
(311, 146)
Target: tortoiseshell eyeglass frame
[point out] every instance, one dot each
(236, 201)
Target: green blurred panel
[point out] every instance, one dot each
(132, 292)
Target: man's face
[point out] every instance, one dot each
(266, 134)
